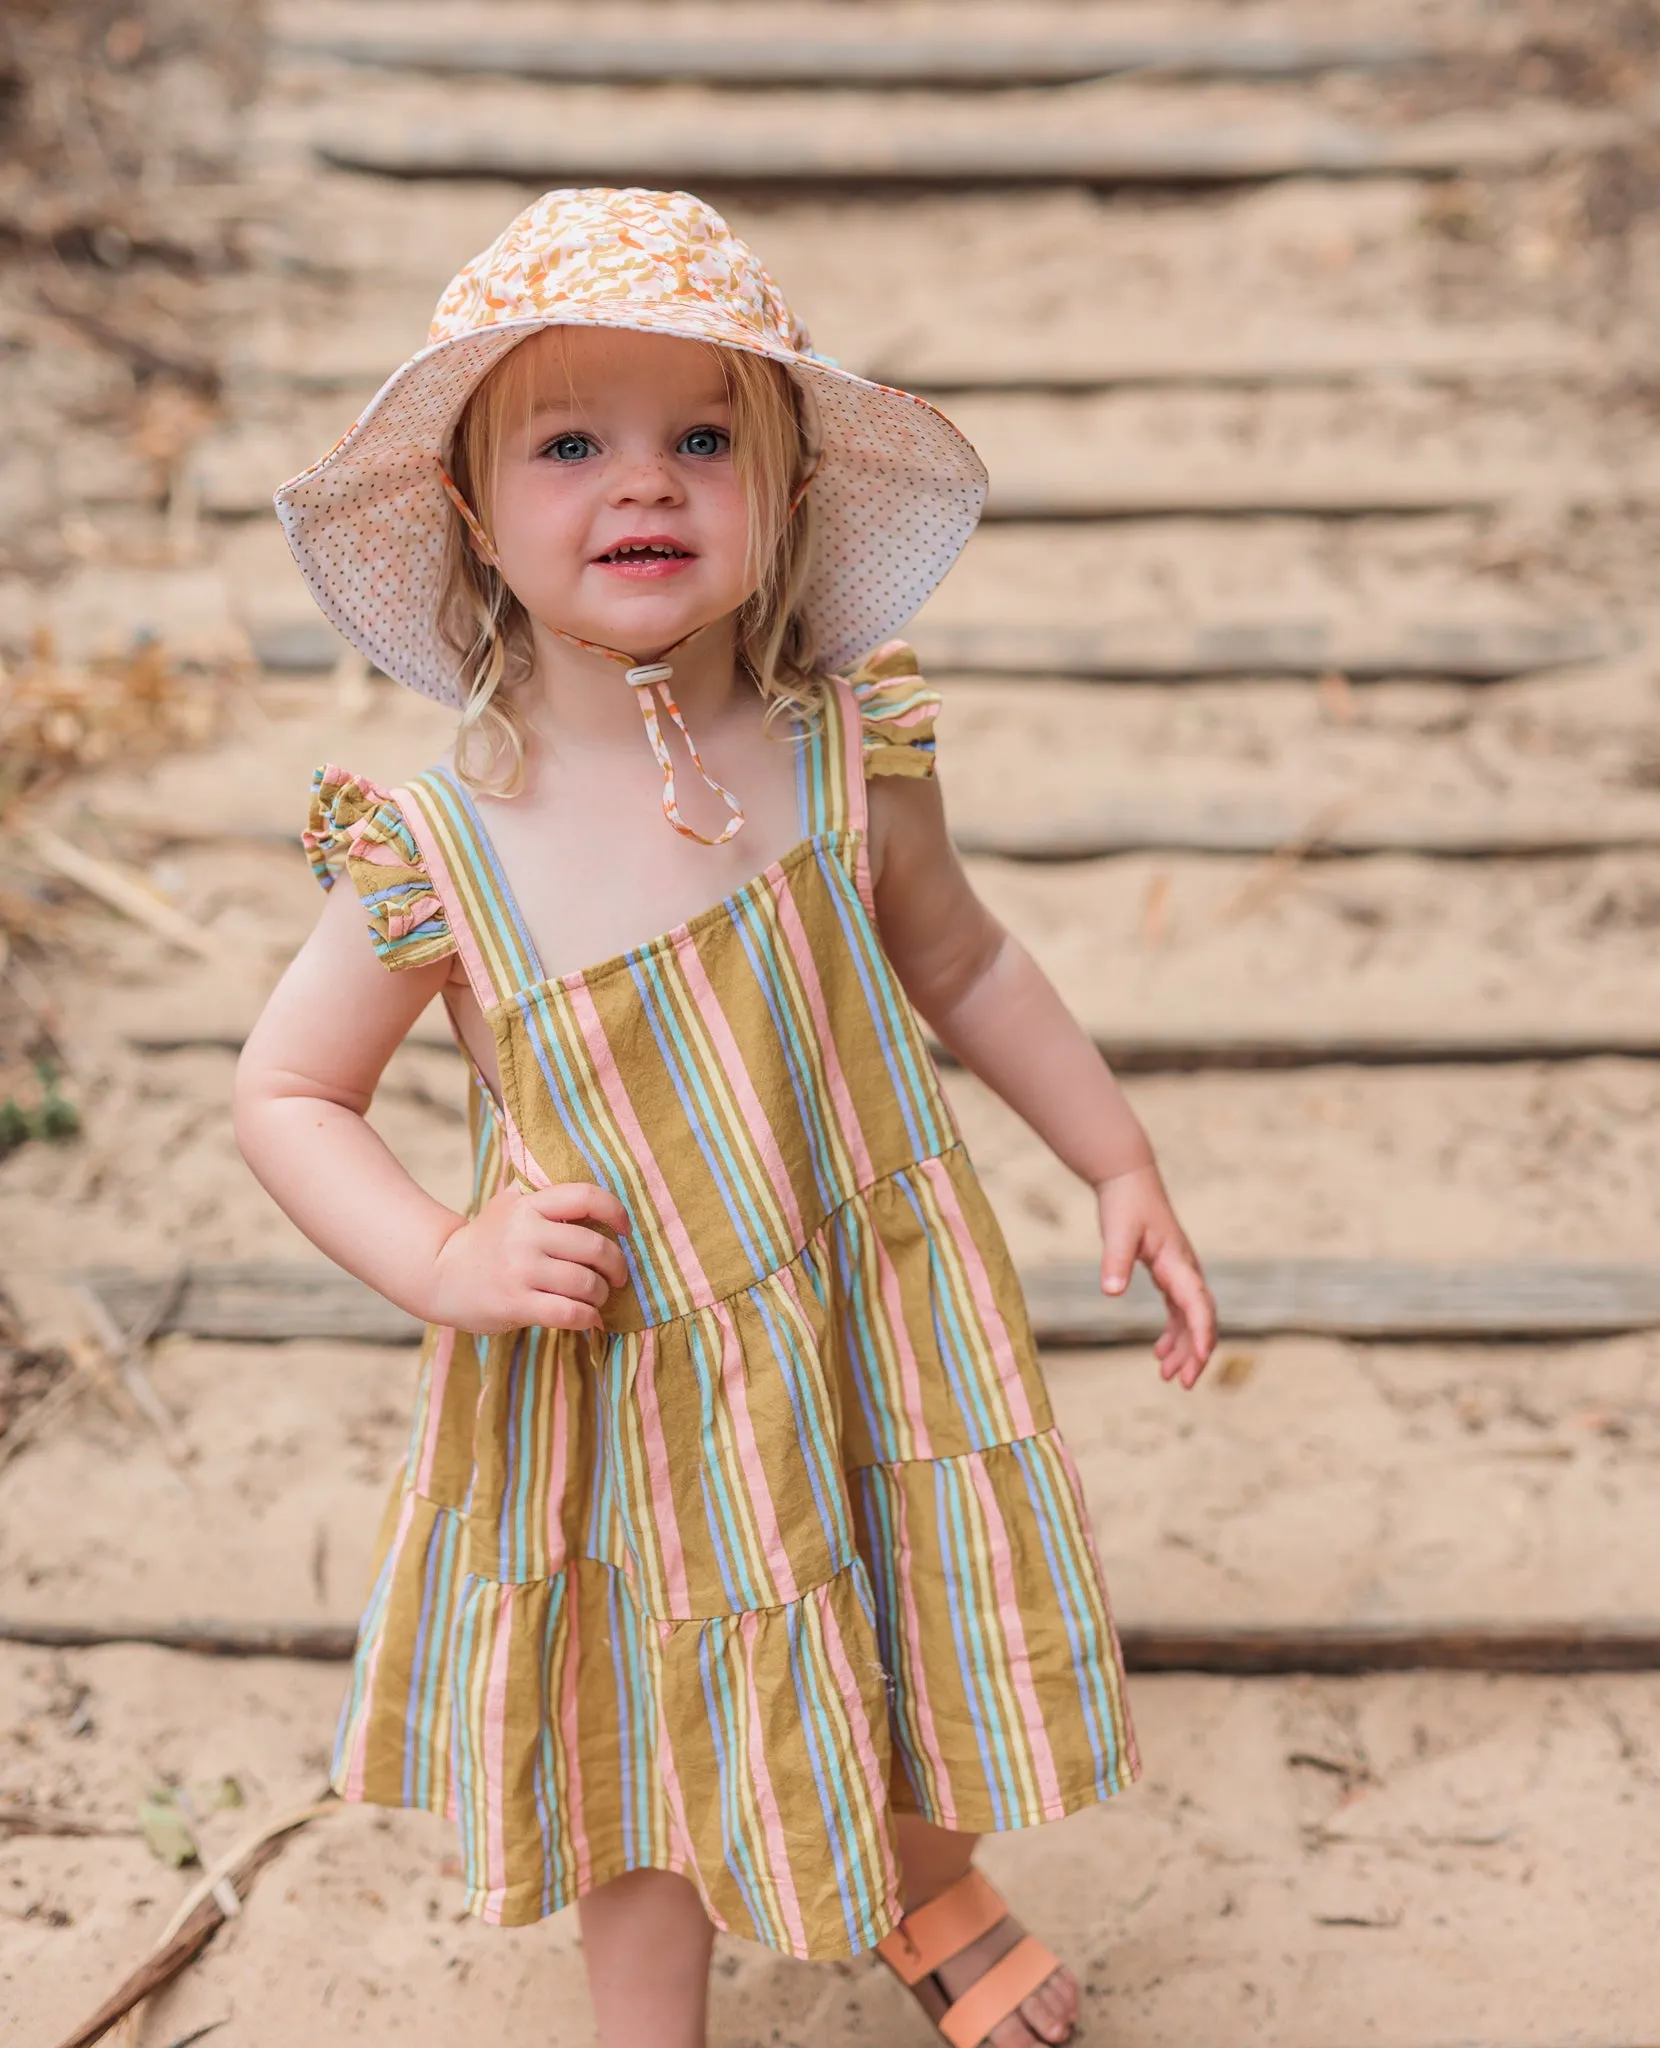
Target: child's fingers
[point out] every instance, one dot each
(1120, 1242)
(581, 1247)
(552, 1311)
(573, 1281)
(579, 1201)
(1183, 1287)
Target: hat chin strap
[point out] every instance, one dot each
(644, 677)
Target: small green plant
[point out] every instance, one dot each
(53, 1118)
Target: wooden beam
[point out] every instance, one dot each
(1196, 1052)
(1454, 837)
(1338, 1649)
(1350, 1649)
(1355, 1298)
(1128, 653)
(1364, 651)
(899, 61)
(529, 144)
(322, 1642)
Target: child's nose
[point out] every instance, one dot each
(647, 479)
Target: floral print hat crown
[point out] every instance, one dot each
(896, 492)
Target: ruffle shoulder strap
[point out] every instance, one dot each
(896, 712)
(358, 827)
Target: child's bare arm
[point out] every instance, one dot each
(303, 1085)
(996, 1011)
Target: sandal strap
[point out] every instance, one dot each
(934, 1933)
(998, 1993)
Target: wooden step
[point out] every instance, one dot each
(1139, 600)
(255, 1303)
(1274, 285)
(965, 47)
(1092, 135)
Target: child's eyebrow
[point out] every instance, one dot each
(560, 405)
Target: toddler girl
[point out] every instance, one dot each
(736, 1576)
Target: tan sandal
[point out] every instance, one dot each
(928, 1938)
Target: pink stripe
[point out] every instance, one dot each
(427, 842)
(841, 1096)
(876, 1783)
(766, 1799)
(734, 1386)
(671, 1553)
(495, 1757)
(634, 1139)
(756, 1120)
(910, 1373)
(558, 1455)
(1022, 1420)
(357, 1762)
(915, 1679)
(438, 1379)
(1017, 1658)
(570, 1731)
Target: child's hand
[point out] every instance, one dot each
(527, 1261)
(1137, 1222)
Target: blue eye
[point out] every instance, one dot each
(706, 441)
(569, 447)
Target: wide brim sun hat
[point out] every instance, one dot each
(896, 492)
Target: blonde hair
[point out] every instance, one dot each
(489, 630)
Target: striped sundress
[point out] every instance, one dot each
(791, 1544)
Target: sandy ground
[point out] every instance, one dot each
(1359, 426)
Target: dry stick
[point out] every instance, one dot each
(123, 889)
(1219, 1650)
(126, 1349)
(194, 1925)
(18, 1819)
(1277, 871)
(133, 348)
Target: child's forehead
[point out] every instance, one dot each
(583, 367)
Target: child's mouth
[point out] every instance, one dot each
(645, 558)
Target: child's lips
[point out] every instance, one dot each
(646, 559)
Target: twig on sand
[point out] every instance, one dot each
(28, 1819)
(126, 1351)
(198, 1919)
(123, 889)
(1282, 864)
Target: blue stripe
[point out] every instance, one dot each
(880, 1419)
(1075, 1605)
(828, 1487)
(567, 1095)
(903, 1052)
(969, 1633)
(764, 1252)
(833, 1802)
(717, 1700)
(718, 1509)
(957, 1350)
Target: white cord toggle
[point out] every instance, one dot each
(648, 673)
